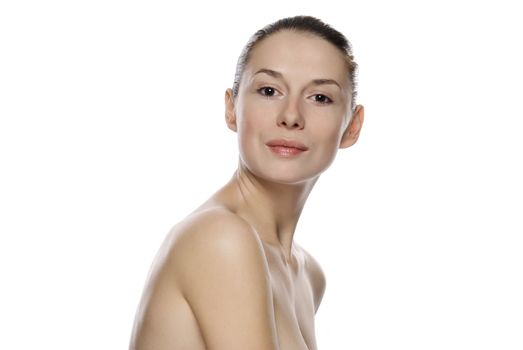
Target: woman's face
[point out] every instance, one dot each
(294, 92)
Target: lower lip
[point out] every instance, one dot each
(286, 151)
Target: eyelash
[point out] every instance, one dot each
(329, 100)
(260, 91)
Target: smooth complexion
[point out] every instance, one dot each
(230, 275)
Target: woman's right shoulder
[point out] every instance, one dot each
(221, 271)
(212, 224)
(209, 232)
(215, 260)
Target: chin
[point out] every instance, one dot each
(287, 180)
(286, 172)
(285, 175)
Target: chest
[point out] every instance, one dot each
(293, 304)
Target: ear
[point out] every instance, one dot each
(351, 134)
(230, 113)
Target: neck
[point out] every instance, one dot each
(273, 209)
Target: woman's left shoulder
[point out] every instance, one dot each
(315, 274)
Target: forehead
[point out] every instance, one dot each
(298, 54)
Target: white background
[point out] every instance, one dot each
(111, 131)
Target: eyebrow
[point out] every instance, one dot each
(270, 72)
(278, 75)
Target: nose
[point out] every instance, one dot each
(290, 116)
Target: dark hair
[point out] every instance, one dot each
(306, 24)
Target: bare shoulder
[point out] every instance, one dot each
(316, 277)
(223, 274)
(211, 229)
(206, 235)
(212, 262)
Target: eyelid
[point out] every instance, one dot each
(261, 87)
(331, 101)
(263, 84)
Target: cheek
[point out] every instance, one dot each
(328, 132)
(255, 117)
(252, 123)
(327, 138)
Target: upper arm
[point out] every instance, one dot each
(155, 321)
(225, 279)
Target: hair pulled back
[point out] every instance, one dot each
(306, 24)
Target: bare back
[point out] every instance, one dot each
(216, 285)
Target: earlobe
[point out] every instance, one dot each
(352, 133)
(230, 113)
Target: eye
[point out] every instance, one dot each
(322, 99)
(267, 91)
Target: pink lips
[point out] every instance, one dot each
(286, 148)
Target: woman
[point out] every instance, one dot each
(230, 276)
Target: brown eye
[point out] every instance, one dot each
(267, 91)
(322, 99)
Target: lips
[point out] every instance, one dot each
(287, 144)
(286, 148)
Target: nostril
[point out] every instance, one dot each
(290, 125)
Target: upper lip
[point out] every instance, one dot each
(287, 143)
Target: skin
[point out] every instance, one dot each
(230, 275)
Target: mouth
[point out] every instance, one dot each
(287, 144)
(286, 148)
